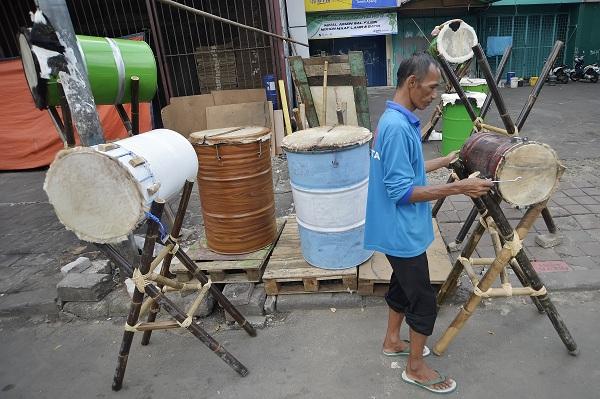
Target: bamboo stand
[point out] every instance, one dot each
(507, 241)
(510, 127)
(156, 285)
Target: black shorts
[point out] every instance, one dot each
(411, 292)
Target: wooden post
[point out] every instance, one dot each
(324, 120)
(361, 99)
(124, 118)
(301, 82)
(284, 107)
(138, 296)
(135, 105)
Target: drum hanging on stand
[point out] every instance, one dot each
(110, 64)
(236, 188)
(102, 192)
(454, 42)
(507, 158)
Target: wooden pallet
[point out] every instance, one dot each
(288, 273)
(374, 276)
(244, 268)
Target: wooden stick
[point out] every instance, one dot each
(324, 122)
(138, 296)
(227, 21)
(135, 105)
(298, 119)
(164, 271)
(284, 107)
(124, 118)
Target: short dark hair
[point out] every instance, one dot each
(418, 64)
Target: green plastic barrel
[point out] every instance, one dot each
(457, 124)
(110, 64)
(474, 85)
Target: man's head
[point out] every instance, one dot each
(418, 80)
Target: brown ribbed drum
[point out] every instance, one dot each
(236, 188)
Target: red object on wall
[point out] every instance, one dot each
(28, 138)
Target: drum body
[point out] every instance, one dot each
(102, 192)
(329, 175)
(505, 158)
(236, 188)
(109, 63)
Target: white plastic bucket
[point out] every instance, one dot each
(102, 192)
(514, 82)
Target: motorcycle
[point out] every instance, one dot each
(590, 72)
(561, 73)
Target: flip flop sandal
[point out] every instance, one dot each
(406, 352)
(428, 385)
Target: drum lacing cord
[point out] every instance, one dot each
(161, 227)
(174, 242)
(140, 280)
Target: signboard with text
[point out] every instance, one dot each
(349, 25)
(329, 5)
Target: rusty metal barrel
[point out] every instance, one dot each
(236, 188)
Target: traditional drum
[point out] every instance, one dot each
(329, 175)
(454, 42)
(504, 158)
(102, 192)
(109, 63)
(236, 188)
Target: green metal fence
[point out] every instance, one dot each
(533, 38)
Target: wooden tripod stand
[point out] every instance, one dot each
(507, 241)
(155, 285)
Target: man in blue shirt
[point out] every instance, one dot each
(398, 220)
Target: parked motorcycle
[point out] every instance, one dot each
(589, 72)
(561, 73)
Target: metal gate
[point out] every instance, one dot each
(533, 38)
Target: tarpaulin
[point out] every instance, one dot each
(28, 138)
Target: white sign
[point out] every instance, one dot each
(349, 25)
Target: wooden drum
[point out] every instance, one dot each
(236, 188)
(507, 158)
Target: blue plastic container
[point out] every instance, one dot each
(329, 186)
(270, 85)
(509, 75)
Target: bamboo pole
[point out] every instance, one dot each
(67, 117)
(124, 118)
(135, 105)
(138, 296)
(284, 107)
(494, 92)
(324, 122)
(227, 21)
(164, 271)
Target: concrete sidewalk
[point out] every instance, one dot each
(506, 350)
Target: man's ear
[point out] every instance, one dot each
(412, 81)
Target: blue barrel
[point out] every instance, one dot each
(329, 175)
(270, 85)
(509, 75)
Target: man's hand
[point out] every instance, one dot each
(451, 157)
(474, 187)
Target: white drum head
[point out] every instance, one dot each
(537, 165)
(326, 138)
(94, 195)
(455, 41)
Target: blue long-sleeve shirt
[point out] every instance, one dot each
(394, 225)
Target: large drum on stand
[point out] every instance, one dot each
(109, 63)
(102, 192)
(236, 188)
(535, 166)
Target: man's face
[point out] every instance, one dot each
(423, 92)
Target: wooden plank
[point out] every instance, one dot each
(285, 108)
(332, 70)
(186, 115)
(361, 100)
(285, 287)
(343, 94)
(244, 114)
(331, 59)
(224, 97)
(301, 82)
(374, 277)
(272, 127)
(339, 80)
(158, 325)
